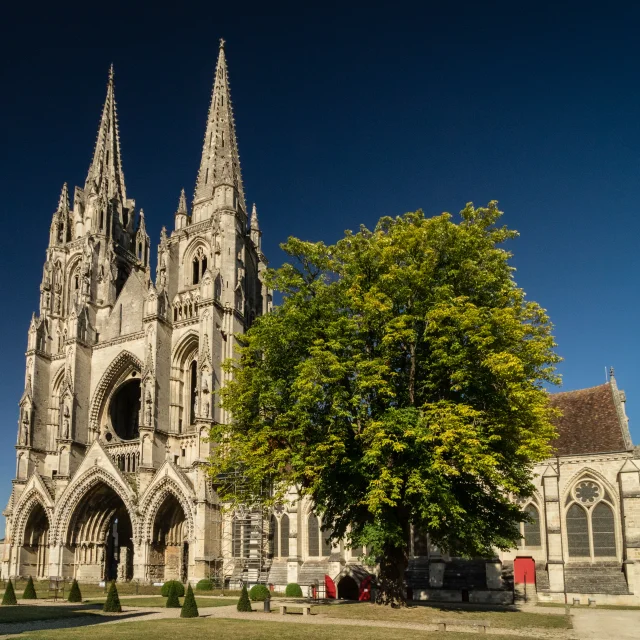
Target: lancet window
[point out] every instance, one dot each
(198, 265)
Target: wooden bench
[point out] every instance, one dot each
(306, 609)
(480, 626)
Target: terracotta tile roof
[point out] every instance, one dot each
(591, 422)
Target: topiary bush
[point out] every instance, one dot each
(172, 598)
(112, 604)
(74, 592)
(259, 593)
(244, 604)
(29, 591)
(293, 590)
(167, 585)
(189, 607)
(9, 594)
(204, 585)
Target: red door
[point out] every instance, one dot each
(524, 571)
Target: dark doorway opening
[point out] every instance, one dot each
(119, 551)
(124, 410)
(348, 589)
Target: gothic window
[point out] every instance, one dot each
(198, 266)
(326, 542)
(273, 538)
(193, 389)
(420, 542)
(603, 529)
(591, 522)
(284, 536)
(531, 530)
(578, 531)
(313, 535)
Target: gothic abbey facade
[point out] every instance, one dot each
(119, 389)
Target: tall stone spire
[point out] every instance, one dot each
(63, 203)
(220, 164)
(105, 177)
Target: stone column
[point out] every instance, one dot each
(555, 559)
(294, 561)
(140, 555)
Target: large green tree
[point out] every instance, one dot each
(399, 384)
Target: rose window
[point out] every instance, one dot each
(588, 492)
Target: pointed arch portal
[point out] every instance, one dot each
(169, 554)
(34, 554)
(99, 543)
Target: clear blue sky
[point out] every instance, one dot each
(343, 118)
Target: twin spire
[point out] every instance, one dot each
(105, 175)
(220, 163)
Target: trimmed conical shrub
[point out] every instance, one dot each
(74, 592)
(189, 606)
(9, 594)
(29, 591)
(112, 605)
(244, 604)
(172, 598)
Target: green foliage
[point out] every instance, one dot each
(166, 587)
(74, 592)
(400, 383)
(9, 597)
(189, 607)
(293, 590)
(259, 593)
(112, 603)
(244, 604)
(204, 585)
(29, 591)
(172, 598)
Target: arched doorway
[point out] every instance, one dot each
(169, 556)
(100, 545)
(348, 589)
(34, 555)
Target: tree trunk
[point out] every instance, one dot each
(391, 586)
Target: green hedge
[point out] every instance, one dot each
(204, 585)
(167, 586)
(293, 590)
(259, 593)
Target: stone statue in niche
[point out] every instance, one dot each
(205, 400)
(195, 405)
(149, 410)
(24, 437)
(66, 422)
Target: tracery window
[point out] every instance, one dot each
(273, 538)
(530, 531)
(198, 265)
(326, 542)
(313, 535)
(284, 536)
(590, 522)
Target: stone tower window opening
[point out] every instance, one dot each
(199, 266)
(193, 391)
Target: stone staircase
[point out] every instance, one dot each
(594, 579)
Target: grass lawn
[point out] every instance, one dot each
(431, 613)
(197, 629)
(26, 613)
(159, 601)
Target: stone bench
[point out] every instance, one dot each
(306, 609)
(480, 626)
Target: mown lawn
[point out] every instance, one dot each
(197, 629)
(430, 613)
(33, 613)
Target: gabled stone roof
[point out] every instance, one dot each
(593, 421)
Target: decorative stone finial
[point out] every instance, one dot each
(222, 42)
(611, 373)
